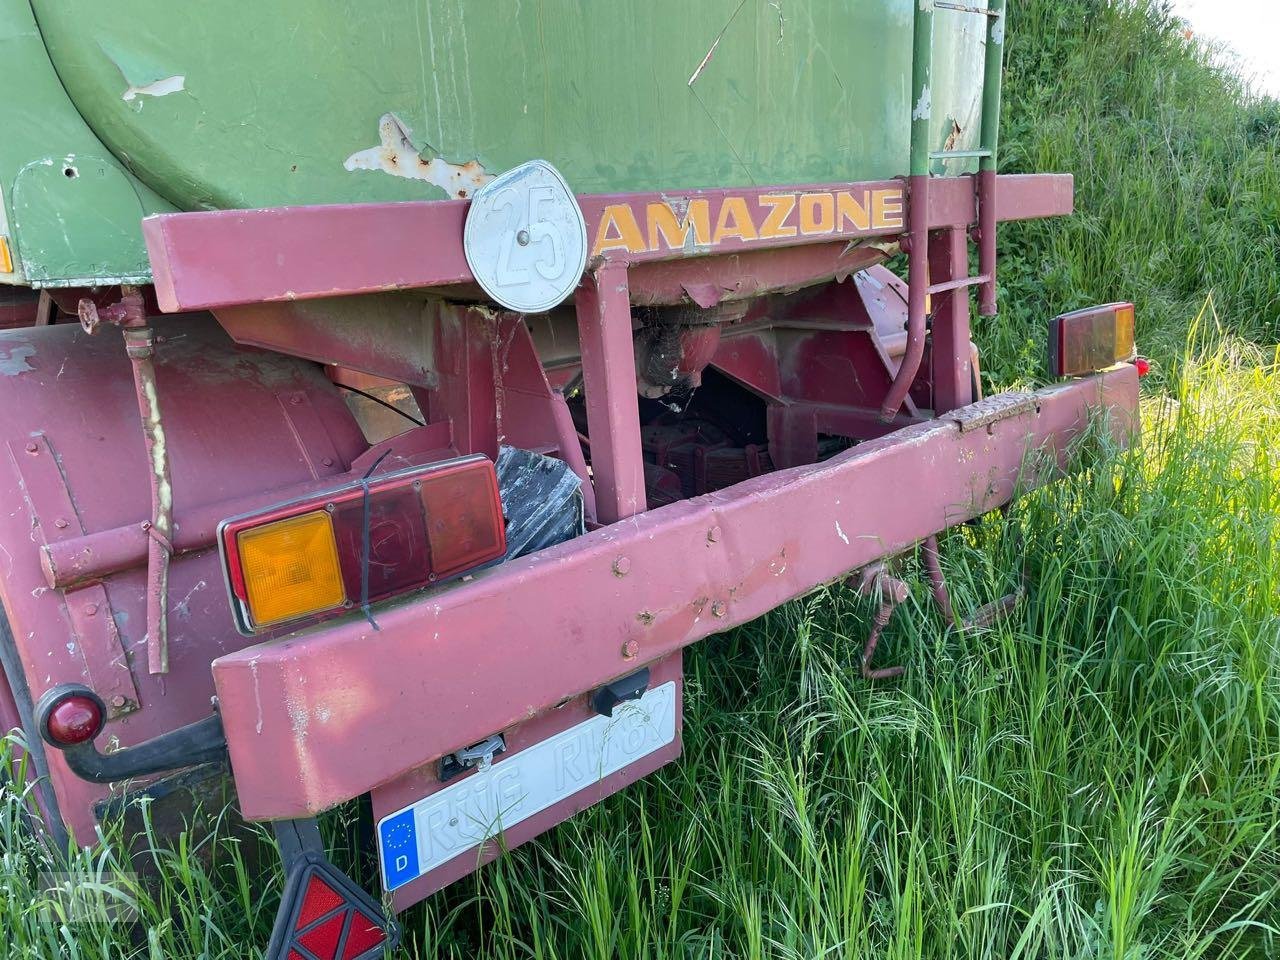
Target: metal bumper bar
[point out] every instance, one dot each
(330, 713)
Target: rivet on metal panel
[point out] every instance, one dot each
(60, 523)
(33, 448)
(718, 608)
(621, 566)
(631, 649)
(90, 609)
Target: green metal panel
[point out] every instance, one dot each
(232, 103)
(69, 209)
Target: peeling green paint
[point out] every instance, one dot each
(72, 210)
(288, 102)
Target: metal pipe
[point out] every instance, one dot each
(917, 208)
(140, 345)
(917, 291)
(993, 68)
(94, 556)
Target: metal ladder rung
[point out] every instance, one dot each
(957, 154)
(966, 8)
(958, 283)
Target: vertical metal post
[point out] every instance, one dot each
(951, 356)
(917, 208)
(993, 69)
(609, 377)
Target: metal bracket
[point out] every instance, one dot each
(478, 756)
(189, 746)
(630, 687)
(100, 650)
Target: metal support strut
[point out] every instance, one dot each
(916, 241)
(139, 340)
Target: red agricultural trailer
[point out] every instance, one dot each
(639, 418)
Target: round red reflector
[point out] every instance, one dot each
(74, 720)
(1143, 366)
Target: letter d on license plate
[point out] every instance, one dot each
(422, 836)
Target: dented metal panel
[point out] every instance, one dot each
(69, 209)
(287, 103)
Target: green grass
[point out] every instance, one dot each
(1097, 777)
(1177, 180)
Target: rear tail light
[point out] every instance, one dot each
(1090, 340)
(362, 542)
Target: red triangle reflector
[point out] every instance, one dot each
(323, 940)
(364, 935)
(319, 899)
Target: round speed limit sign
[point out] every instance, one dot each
(525, 239)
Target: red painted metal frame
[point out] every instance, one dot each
(222, 258)
(328, 714)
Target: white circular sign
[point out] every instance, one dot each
(525, 239)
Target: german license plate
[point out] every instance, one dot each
(422, 836)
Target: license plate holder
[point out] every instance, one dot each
(430, 833)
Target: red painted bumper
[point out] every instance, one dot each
(333, 712)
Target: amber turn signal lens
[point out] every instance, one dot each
(290, 568)
(1089, 340)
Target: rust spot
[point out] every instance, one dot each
(396, 154)
(953, 137)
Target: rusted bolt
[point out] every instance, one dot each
(33, 447)
(713, 535)
(60, 524)
(630, 649)
(327, 461)
(118, 701)
(717, 608)
(90, 609)
(621, 567)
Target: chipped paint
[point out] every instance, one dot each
(159, 463)
(924, 106)
(396, 155)
(157, 88)
(841, 534)
(13, 361)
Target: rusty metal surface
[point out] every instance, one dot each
(992, 409)
(227, 257)
(74, 400)
(307, 719)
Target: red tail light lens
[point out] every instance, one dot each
(308, 557)
(1090, 340)
(70, 715)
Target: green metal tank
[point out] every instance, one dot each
(116, 110)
